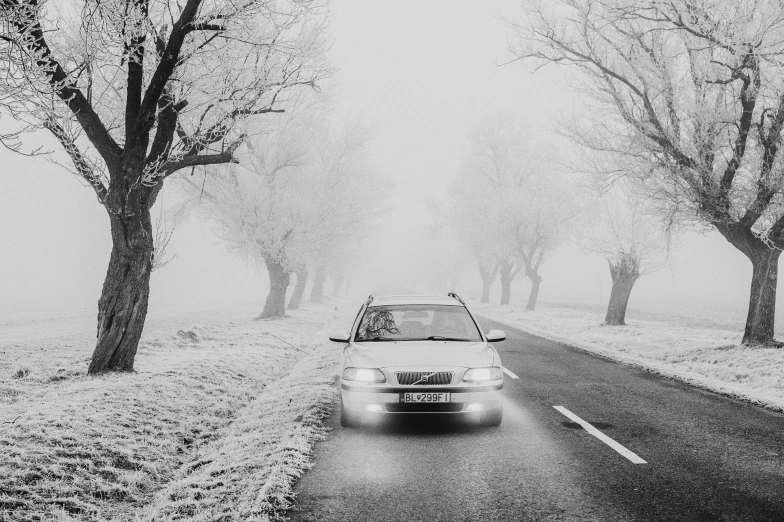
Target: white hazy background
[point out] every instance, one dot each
(422, 73)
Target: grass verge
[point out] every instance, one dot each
(103, 448)
(248, 473)
(710, 358)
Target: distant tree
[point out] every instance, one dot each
(689, 96)
(510, 205)
(296, 197)
(317, 292)
(135, 90)
(470, 218)
(544, 223)
(541, 217)
(634, 239)
(301, 282)
(501, 155)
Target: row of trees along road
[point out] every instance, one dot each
(687, 96)
(509, 205)
(136, 90)
(301, 198)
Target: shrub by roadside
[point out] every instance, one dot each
(710, 358)
(100, 448)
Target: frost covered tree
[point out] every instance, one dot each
(689, 96)
(633, 238)
(298, 195)
(544, 219)
(470, 219)
(500, 157)
(135, 90)
(509, 205)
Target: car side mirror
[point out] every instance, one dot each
(494, 336)
(339, 336)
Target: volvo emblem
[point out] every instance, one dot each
(424, 378)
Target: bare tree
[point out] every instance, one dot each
(633, 238)
(296, 197)
(135, 90)
(689, 96)
(544, 218)
(501, 155)
(510, 205)
(299, 287)
(470, 218)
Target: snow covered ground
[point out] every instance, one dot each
(216, 423)
(696, 351)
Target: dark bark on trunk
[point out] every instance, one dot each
(533, 295)
(506, 274)
(122, 307)
(299, 289)
(488, 277)
(624, 274)
(760, 320)
(317, 292)
(279, 283)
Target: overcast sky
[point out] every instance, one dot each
(422, 73)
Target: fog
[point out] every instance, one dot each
(421, 73)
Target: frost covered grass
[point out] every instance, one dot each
(210, 410)
(247, 474)
(707, 356)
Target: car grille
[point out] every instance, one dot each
(434, 378)
(424, 407)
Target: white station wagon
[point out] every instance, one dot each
(419, 355)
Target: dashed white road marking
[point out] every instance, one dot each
(510, 374)
(633, 457)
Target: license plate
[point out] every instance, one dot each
(425, 397)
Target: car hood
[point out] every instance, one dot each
(420, 353)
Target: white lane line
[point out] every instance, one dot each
(601, 436)
(510, 374)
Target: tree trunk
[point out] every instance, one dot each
(279, 283)
(536, 280)
(507, 275)
(487, 281)
(299, 289)
(624, 274)
(122, 307)
(760, 320)
(317, 292)
(762, 300)
(337, 283)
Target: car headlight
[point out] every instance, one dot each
(363, 375)
(483, 374)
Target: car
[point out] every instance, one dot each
(419, 354)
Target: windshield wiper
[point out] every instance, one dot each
(374, 339)
(442, 338)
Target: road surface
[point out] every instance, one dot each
(707, 457)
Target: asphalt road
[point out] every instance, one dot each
(709, 458)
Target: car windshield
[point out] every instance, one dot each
(417, 323)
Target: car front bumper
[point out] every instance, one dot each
(386, 400)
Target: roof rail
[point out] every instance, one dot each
(455, 296)
(369, 299)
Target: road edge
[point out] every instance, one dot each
(662, 370)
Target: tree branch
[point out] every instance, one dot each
(226, 156)
(83, 167)
(31, 37)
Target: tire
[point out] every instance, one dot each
(347, 420)
(493, 419)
